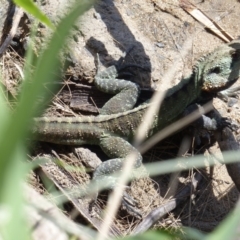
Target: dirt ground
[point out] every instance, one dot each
(158, 31)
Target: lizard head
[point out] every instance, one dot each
(219, 69)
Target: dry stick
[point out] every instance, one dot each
(205, 20)
(187, 191)
(49, 221)
(174, 179)
(227, 142)
(161, 211)
(16, 19)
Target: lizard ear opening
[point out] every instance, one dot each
(235, 53)
(215, 70)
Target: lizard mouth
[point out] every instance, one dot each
(222, 85)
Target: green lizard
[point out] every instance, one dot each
(114, 128)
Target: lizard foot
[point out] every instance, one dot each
(129, 204)
(226, 122)
(226, 94)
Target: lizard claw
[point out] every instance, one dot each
(129, 199)
(226, 122)
(129, 204)
(231, 92)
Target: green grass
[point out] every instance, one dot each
(14, 129)
(14, 125)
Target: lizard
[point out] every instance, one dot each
(114, 128)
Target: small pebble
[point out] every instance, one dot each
(97, 15)
(160, 45)
(232, 101)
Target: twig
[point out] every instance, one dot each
(227, 142)
(161, 211)
(205, 20)
(47, 220)
(16, 19)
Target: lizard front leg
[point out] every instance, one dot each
(205, 121)
(117, 148)
(125, 92)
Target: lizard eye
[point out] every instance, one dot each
(215, 70)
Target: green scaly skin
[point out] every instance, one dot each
(118, 121)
